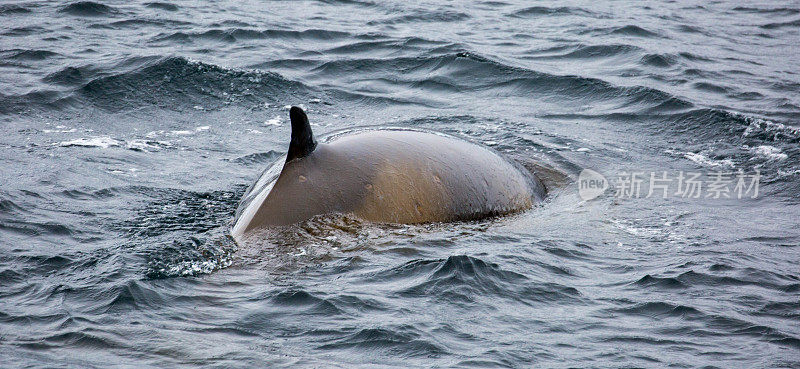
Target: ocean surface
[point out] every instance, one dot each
(130, 130)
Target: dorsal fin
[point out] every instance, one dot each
(303, 142)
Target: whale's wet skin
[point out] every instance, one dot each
(131, 130)
(385, 175)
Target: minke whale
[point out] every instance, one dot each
(386, 176)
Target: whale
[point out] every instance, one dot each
(384, 175)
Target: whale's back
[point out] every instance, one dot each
(395, 176)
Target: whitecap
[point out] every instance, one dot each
(70, 130)
(768, 152)
(273, 122)
(706, 161)
(776, 130)
(102, 142)
(105, 142)
(146, 145)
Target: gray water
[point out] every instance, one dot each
(130, 130)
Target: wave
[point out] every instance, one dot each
(423, 17)
(446, 74)
(10, 207)
(23, 31)
(349, 2)
(32, 228)
(465, 279)
(659, 60)
(303, 303)
(710, 87)
(544, 10)
(29, 55)
(712, 325)
(589, 52)
(9, 9)
(137, 23)
(660, 309)
(82, 339)
(177, 84)
(767, 130)
(162, 6)
(391, 46)
(405, 341)
(633, 30)
(88, 9)
(768, 11)
(128, 295)
(784, 310)
(778, 25)
(706, 123)
(71, 75)
(668, 283)
(732, 277)
(235, 34)
(10, 104)
(694, 57)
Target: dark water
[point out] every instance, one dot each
(130, 131)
